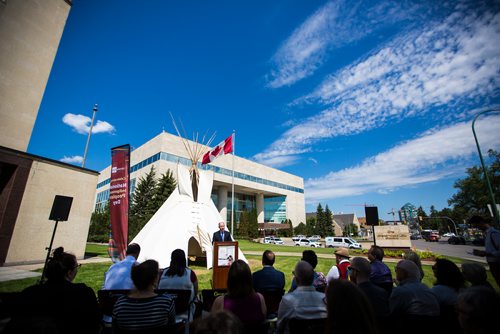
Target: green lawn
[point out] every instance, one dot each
(93, 274)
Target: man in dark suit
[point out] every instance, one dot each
(221, 234)
(268, 278)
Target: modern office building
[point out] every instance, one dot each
(275, 194)
(30, 31)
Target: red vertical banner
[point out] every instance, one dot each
(119, 201)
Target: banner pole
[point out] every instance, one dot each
(232, 185)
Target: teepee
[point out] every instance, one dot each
(187, 219)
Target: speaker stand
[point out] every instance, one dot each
(49, 249)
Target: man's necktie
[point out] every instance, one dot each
(222, 236)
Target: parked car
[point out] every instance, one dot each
(342, 242)
(449, 234)
(415, 236)
(456, 240)
(267, 240)
(298, 237)
(306, 242)
(314, 238)
(277, 241)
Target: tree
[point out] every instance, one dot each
(328, 225)
(320, 221)
(99, 225)
(290, 231)
(310, 226)
(141, 209)
(351, 230)
(243, 225)
(300, 229)
(253, 225)
(164, 188)
(472, 195)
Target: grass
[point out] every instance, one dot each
(92, 274)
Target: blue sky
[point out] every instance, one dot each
(369, 101)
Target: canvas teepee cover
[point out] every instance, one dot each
(182, 223)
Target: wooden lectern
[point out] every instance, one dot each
(225, 253)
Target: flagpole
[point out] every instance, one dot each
(232, 186)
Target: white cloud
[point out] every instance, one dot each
(313, 160)
(81, 124)
(334, 25)
(437, 154)
(448, 65)
(76, 159)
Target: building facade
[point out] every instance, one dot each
(30, 32)
(275, 195)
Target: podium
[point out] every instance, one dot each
(225, 253)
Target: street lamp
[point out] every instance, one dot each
(443, 217)
(490, 190)
(90, 133)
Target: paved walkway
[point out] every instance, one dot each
(9, 273)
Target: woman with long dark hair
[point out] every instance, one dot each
(449, 282)
(59, 305)
(241, 299)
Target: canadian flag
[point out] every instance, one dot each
(224, 147)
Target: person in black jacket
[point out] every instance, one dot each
(222, 234)
(58, 305)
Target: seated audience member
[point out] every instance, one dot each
(475, 274)
(319, 282)
(220, 322)
(241, 299)
(411, 297)
(477, 309)
(340, 269)
(143, 309)
(413, 257)
(360, 270)
(118, 275)
(178, 276)
(304, 302)
(380, 272)
(449, 282)
(58, 304)
(268, 278)
(349, 311)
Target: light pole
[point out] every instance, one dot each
(88, 137)
(490, 190)
(445, 217)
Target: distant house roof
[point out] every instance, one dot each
(346, 219)
(273, 226)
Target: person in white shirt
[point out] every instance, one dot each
(340, 269)
(118, 275)
(304, 302)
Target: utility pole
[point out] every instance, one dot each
(90, 133)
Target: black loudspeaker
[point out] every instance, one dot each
(371, 213)
(60, 208)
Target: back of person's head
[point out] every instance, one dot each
(474, 273)
(415, 258)
(268, 258)
(361, 266)
(145, 274)
(407, 270)
(447, 273)
(310, 257)
(377, 252)
(304, 273)
(239, 280)
(60, 264)
(349, 310)
(133, 250)
(477, 310)
(221, 322)
(177, 263)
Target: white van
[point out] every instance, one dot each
(342, 242)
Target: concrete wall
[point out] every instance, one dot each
(33, 229)
(30, 31)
